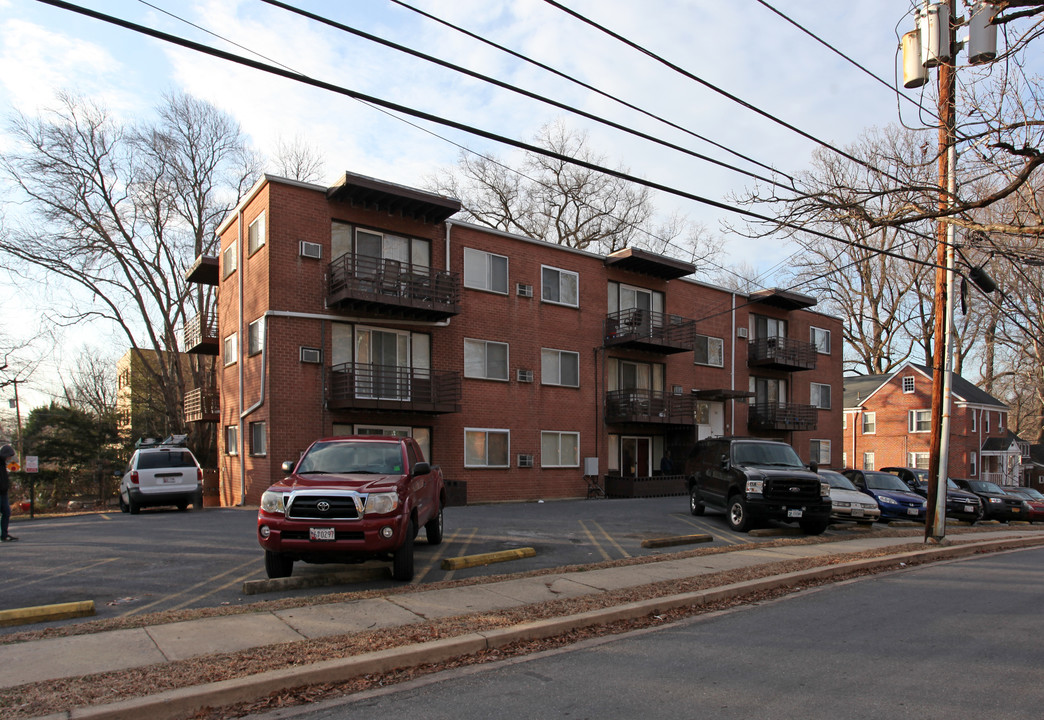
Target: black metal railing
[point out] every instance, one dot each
(649, 330)
(781, 416)
(201, 334)
(387, 387)
(781, 353)
(649, 406)
(358, 279)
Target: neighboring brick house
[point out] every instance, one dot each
(517, 364)
(888, 423)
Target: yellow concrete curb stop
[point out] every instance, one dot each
(469, 561)
(677, 540)
(45, 613)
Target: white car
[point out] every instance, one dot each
(161, 473)
(848, 503)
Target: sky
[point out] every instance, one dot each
(739, 46)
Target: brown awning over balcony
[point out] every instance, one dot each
(366, 192)
(204, 270)
(647, 263)
(784, 299)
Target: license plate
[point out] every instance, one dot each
(913, 511)
(1015, 510)
(969, 508)
(795, 513)
(171, 479)
(322, 534)
(857, 512)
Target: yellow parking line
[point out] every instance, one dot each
(60, 574)
(611, 539)
(464, 547)
(594, 541)
(201, 583)
(436, 557)
(726, 536)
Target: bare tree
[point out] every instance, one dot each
(298, 160)
(93, 384)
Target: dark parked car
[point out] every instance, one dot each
(753, 480)
(960, 504)
(1034, 501)
(997, 504)
(894, 498)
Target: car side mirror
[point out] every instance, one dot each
(813, 466)
(724, 462)
(288, 467)
(422, 468)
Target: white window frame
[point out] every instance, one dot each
(915, 419)
(868, 460)
(869, 423)
(557, 437)
(484, 344)
(1000, 420)
(230, 348)
(256, 336)
(821, 333)
(473, 259)
(986, 429)
(229, 260)
(816, 395)
(544, 287)
(231, 439)
(486, 432)
(553, 358)
(909, 384)
(258, 442)
(713, 353)
(974, 419)
(824, 449)
(973, 464)
(256, 234)
(918, 459)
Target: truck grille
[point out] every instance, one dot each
(792, 490)
(322, 507)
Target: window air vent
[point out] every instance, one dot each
(523, 290)
(524, 375)
(741, 332)
(311, 355)
(525, 460)
(311, 250)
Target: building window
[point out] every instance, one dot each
(559, 367)
(868, 461)
(819, 452)
(231, 348)
(257, 439)
(844, 421)
(974, 417)
(820, 396)
(821, 339)
(918, 460)
(869, 423)
(232, 440)
(559, 286)
(908, 384)
(485, 271)
(485, 359)
(973, 464)
(920, 421)
(709, 351)
(228, 260)
(256, 234)
(987, 415)
(559, 449)
(255, 336)
(1000, 421)
(486, 448)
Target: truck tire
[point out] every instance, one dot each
(696, 506)
(402, 560)
(433, 528)
(813, 527)
(736, 513)
(278, 565)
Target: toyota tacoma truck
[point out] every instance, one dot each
(350, 499)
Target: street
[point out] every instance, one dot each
(952, 640)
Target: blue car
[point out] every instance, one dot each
(892, 495)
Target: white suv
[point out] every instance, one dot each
(163, 473)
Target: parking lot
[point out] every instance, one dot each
(163, 559)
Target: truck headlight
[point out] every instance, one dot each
(272, 502)
(755, 486)
(824, 489)
(382, 503)
(998, 501)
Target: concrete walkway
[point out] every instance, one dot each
(56, 658)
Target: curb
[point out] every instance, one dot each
(44, 613)
(676, 540)
(256, 587)
(175, 704)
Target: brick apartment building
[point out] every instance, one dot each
(888, 423)
(518, 365)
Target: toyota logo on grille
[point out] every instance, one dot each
(322, 506)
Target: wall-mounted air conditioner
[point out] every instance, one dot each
(311, 250)
(525, 460)
(311, 355)
(525, 376)
(741, 332)
(523, 290)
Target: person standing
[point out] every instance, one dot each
(666, 464)
(6, 452)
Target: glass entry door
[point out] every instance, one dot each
(383, 359)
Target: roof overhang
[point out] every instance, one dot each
(647, 263)
(374, 194)
(204, 270)
(783, 299)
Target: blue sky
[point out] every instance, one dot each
(739, 45)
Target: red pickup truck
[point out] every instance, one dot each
(349, 499)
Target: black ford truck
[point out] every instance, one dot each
(754, 480)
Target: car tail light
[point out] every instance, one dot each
(199, 475)
(134, 477)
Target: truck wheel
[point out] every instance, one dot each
(278, 565)
(402, 560)
(813, 527)
(695, 503)
(433, 529)
(737, 514)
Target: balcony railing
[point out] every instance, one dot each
(202, 405)
(386, 387)
(357, 282)
(781, 353)
(647, 330)
(201, 334)
(649, 406)
(782, 416)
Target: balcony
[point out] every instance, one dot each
(202, 405)
(384, 286)
(639, 329)
(781, 353)
(364, 386)
(781, 416)
(650, 407)
(201, 334)
(204, 270)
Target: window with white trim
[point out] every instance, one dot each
(258, 444)
(709, 351)
(869, 423)
(819, 451)
(559, 449)
(559, 367)
(908, 384)
(821, 339)
(973, 464)
(486, 448)
(1000, 421)
(820, 394)
(919, 421)
(256, 234)
(868, 461)
(230, 349)
(485, 271)
(987, 414)
(918, 460)
(229, 259)
(485, 359)
(255, 336)
(232, 440)
(974, 418)
(559, 286)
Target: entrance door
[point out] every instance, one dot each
(385, 356)
(635, 456)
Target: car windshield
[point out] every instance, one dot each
(984, 487)
(165, 459)
(837, 480)
(952, 485)
(771, 454)
(340, 457)
(1030, 492)
(884, 481)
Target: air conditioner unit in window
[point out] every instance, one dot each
(524, 375)
(311, 355)
(741, 332)
(523, 290)
(525, 460)
(311, 250)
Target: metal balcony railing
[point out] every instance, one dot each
(387, 387)
(647, 330)
(781, 353)
(202, 405)
(200, 334)
(381, 284)
(649, 406)
(782, 416)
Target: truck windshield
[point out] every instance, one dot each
(338, 457)
(773, 454)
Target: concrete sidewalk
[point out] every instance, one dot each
(115, 650)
